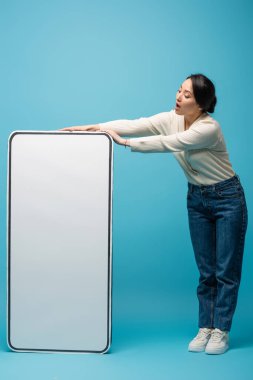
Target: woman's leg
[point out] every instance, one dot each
(203, 237)
(231, 225)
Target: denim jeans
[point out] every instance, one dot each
(218, 222)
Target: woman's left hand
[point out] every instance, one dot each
(119, 140)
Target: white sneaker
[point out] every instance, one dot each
(200, 341)
(218, 343)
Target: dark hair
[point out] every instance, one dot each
(204, 92)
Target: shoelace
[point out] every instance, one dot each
(202, 334)
(217, 336)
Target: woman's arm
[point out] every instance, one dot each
(144, 126)
(201, 136)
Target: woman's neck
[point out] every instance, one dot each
(189, 120)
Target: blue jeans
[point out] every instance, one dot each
(218, 222)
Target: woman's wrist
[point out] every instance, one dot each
(126, 143)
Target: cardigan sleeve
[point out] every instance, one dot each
(144, 126)
(200, 136)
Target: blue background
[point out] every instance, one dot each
(80, 62)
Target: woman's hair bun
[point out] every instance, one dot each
(212, 105)
(204, 92)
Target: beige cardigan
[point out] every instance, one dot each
(200, 150)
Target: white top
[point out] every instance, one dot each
(200, 150)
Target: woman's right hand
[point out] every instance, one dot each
(91, 127)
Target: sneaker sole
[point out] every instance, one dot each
(216, 352)
(201, 349)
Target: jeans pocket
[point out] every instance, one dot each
(229, 192)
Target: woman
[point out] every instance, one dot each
(216, 203)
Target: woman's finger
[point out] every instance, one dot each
(71, 129)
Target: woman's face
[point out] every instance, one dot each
(185, 102)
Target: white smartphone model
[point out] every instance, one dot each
(60, 241)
